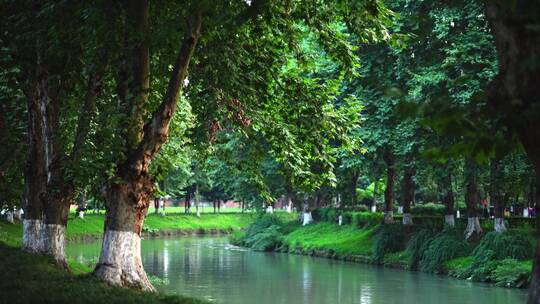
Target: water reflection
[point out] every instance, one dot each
(211, 269)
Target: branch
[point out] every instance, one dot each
(83, 125)
(156, 130)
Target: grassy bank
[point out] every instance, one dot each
(92, 225)
(503, 259)
(27, 278)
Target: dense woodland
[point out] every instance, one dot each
(344, 104)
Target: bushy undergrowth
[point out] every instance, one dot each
(500, 258)
(498, 246)
(263, 234)
(512, 273)
(417, 245)
(389, 239)
(442, 248)
(428, 209)
(360, 218)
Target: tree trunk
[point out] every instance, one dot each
(219, 206)
(128, 196)
(534, 289)
(375, 194)
(407, 191)
(35, 177)
(120, 260)
(187, 203)
(448, 198)
(495, 194)
(214, 205)
(515, 91)
(197, 200)
(472, 198)
(389, 192)
(354, 184)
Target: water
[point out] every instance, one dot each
(210, 269)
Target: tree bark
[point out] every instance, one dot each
(448, 198)
(35, 177)
(472, 198)
(354, 184)
(515, 91)
(407, 191)
(389, 159)
(495, 194)
(127, 201)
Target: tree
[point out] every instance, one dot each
(514, 91)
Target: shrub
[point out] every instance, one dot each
(428, 209)
(498, 246)
(348, 218)
(390, 238)
(358, 208)
(493, 248)
(366, 219)
(237, 238)
(261, 223)
(417, 245)
(512, 273)
(266, 240)
(444, 247)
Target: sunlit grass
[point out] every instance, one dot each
(340, 239)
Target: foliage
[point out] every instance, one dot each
(266, 239)
(389, 238)
(443, 248)
(417, 245)
(261, 223)
(366, 219)
(498, 246)
(512, 273)
(428, 209)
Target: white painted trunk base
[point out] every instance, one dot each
(449, 220)
(388, 217)
(120, 260)
(18, 214)
(499, 224)
(33, 238)
(55, 242)
(9, 216)
(407, 219)
(81, 214)
(473, 225)
(306, 218)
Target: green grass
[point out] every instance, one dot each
(459, 263)
(28, 278)
(92, 224)
(340, 239)
(181, 210)
(400, 259)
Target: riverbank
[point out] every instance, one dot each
(28, 278)
(504, 259)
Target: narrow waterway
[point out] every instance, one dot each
(210, 269)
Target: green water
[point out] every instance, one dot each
(210, 269)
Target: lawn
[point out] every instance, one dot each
(341, 239)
